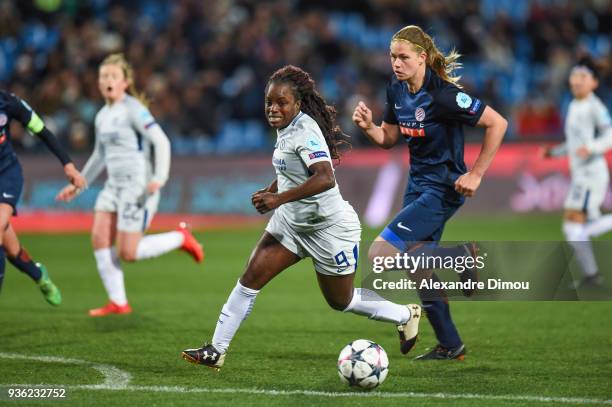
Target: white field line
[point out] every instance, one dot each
(117, 380)
(113, 377)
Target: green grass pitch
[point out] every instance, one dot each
(527, 351)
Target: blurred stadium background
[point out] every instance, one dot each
(204, 66)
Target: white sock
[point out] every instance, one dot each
(236, 309)
(599, 226)
(577, 237)
(111, 274)
(158, 244)
(368, 303)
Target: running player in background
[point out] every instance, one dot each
(11, 185)
(125, 134)
(588, 135)
(311, 219)
(426, 106)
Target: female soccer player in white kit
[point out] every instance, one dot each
(311, 219)
(126, 132)
(588, 134)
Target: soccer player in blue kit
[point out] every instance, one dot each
(427, 106)
(11, 184)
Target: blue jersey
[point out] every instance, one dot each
(11, 107)
(431, 121)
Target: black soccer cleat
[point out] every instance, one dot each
(469, 274)
(593, 281)
(409, 331)
(441, 353)
(207, 355)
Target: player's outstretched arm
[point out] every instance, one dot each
(384, 136)
(495, 126)
(321, 180)
(28, 117)
(91, 170)
(68, 193)
(75, 178)
(72, 174)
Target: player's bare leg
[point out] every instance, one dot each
(20, 258)
(340, 294)
(268, 259)
(133, 246)
(6, 211)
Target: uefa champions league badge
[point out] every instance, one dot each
(3, 119)
(419, 114)
(463, 100)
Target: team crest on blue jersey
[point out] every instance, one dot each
(3, 119)
(419, 114)
(463, 100)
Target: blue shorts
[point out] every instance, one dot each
(422, 219)
(11, 184)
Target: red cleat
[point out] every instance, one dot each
(110, 308)
(190, 244)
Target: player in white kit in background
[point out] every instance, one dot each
(588, 133)
(311, 219)
(126, 138)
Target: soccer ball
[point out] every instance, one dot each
(363, 363)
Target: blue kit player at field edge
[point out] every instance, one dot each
(11, 185)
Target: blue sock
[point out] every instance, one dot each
(1, 266)
(24, 263)
(435, 304)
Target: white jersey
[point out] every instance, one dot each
(298, 146)
(587, 124)
(126, 134)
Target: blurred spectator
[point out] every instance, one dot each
(538, 118)
(204, 65)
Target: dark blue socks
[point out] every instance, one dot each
(24, 263)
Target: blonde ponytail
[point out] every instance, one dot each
(120, 60)
(442, 65)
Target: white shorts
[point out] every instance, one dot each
(134, 210)
(587, 197)
(334, 250)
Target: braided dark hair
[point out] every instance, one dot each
(303, 87)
